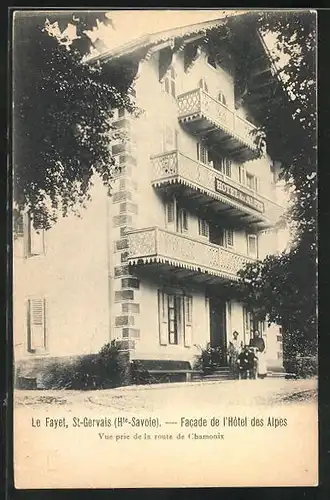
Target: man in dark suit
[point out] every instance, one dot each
(257, 341)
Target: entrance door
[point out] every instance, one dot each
(218, 327)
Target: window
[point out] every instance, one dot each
(222, 98)
(18, 224)
(216, 235)
(35, 239)
(203, 85)
(203, 228)
(241, 174)
(251, 324)
(182, 220)
(252, 181)
(252, 245)
(121, 112)
(168, 139)
(211, 61)
(202, 153)
(36, 325)
(175, 318)
(188, 323)
(168, 82)
(230, 237)
(227, 167)
(279, 338)
(170, 209)
(223, 165)
(176, 216)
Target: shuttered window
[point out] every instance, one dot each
(36, 324)
(169, 139)
(203, 85)
(18, 224)
(222, 98)
(173, 313)
(202, 153)
(252, 181)
(252, 245)
(241, 174)
(175, 319)
(203, 227)
(182, 220)
(163, 317)
(168, 83)
(188, 325)
(230, 237)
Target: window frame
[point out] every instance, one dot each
(221, 97)
(202, 84)
(168, 82)
(255, 181)
(255, 238)
(232, 239)
(203, 224)
(31, 312)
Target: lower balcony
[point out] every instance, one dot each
(160, 251)
(209, 189)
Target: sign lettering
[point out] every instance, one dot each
(239, 195)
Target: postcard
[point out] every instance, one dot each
(164, 248)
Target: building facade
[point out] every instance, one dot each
(192, 202)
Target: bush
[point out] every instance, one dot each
(302, 366)
(107, 369)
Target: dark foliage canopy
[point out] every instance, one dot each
(61, 119)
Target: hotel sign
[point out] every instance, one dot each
(237, 194)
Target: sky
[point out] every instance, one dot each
(132, 24)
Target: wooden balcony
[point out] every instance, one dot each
(201, 114)
(206, 188)
(160, 251)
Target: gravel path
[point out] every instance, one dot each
(186, 395)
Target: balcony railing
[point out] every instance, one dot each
(196, 105)
(158, 246)
(174, 167)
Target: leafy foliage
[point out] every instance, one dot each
(109, 368)
(284, 287)
(62, 112)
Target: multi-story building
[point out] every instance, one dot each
(192, 202)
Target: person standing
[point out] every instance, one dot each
(258, 342)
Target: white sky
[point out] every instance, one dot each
(131, 24)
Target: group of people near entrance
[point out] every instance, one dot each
(250, 360)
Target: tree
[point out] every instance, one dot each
(62, 109)
(283, 287)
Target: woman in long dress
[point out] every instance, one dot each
(262, 364)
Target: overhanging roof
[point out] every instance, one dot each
(154, 39)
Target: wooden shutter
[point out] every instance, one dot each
(203, 227)
(170, 210)
(163, 317)
(203, 85)
(202, 153)
(241, 174)
(230, 237)
(228, 167)
(183, 220)
(188, 323)
(252, 245)
(36, 325)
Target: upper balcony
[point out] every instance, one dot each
(160, 251)
(206, 187)
(201, 114)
